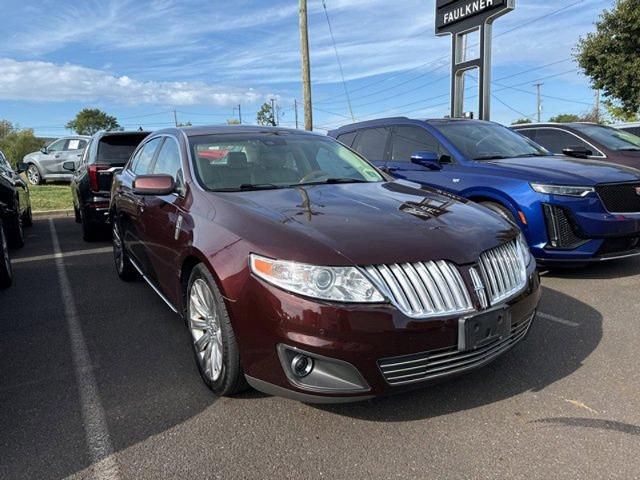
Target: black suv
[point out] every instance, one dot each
(15, 204)
(106, 154)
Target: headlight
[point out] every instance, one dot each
(339, 284)
(524, 248)
(566, 190)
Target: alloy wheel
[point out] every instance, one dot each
(4, 251)
(205, 330)
(33, 175)
(118, 253)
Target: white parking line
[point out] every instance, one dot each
(53, 256)
(95, 424)
(562, 321)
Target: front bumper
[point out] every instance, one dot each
(363, 337)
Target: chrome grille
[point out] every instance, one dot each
(440, 363)
(504, 271)
(422, 289)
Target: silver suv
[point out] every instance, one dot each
(47, 163)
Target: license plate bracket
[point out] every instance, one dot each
(480, 330)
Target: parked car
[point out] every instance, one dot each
(106, 153)
(570, 210)
(307, 272)
(47, 164)
(585, 140)
(633, 128)
(15, 202)
(6, 273)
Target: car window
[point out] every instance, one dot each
(610, 137)
(117, 149)
(530, 133)
(57, 146)
(371, 143)
(168, 161)
(407, 140)
(347, 138)
(142, 163)
(558, 140)
(632, 130)
(74, 144)
(85, 155)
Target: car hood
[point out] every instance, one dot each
(561, 170)
(362, 224)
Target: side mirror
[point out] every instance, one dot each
(577, 152)
(70, 166)
(22, 167)
(44, 150)
(153, 185)
(430, 160)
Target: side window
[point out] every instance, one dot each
(57, 146)
(85, 155)
(168, 161)
(408, 140)
(347, 138)
(73, 144)
(372, 143)
(141, 165)
(530, 133)
(558, 140)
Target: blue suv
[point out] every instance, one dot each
(570, 210)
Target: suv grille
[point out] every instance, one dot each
(423, 289)
(439, 363)
(504, 271)
(620, 197)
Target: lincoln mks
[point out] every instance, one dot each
(304, 271)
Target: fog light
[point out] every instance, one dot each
(301, 365)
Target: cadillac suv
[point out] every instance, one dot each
(304, 271)
(571, 211)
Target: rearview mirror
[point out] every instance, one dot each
(44, 150)
(430, 160)
(22, 167)
(577, 152)
(153, 185)
(70, 166)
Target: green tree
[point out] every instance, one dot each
(15, 143)
(609, 56)
(233, 121)
(521, 121)
(566, 118)
(91, 120)
(265, 116)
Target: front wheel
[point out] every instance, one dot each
(33, 175)
(124, 267)
(27, 219)
(6, 273)
(214, 342)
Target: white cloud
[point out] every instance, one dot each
(45, 81)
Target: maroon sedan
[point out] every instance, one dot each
(305, 272)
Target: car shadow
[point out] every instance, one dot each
(551, 352)
(626, 267)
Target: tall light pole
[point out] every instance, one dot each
(306, 68)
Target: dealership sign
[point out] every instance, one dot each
(456, 15)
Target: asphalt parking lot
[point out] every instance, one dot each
(97, 380)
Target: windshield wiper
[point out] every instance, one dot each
(330, 181)
(250, 186)
(534, 155)
(630, 149)
(492, 157)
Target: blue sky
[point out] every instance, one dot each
(139, 60)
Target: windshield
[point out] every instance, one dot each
(275, 160)
(488, 141)
(611, 138)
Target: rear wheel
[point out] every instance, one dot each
(89, 231)
(214, 343)
(14, 231)
(33, 175)
(6, 273)
(124, 268)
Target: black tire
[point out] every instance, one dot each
(34, 177)
(89, 231)
(124, 267)
(6, 272)
(14, 231)
(231, 380)
(76, 213)
(27, 218)
(500, 210)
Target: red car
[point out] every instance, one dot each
(304, 271)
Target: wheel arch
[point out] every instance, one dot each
(192, 258)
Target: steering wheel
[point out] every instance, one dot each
(312, 175)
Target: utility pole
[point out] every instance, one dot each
(175, 118)
(598, 106)
(274, 118)
(306, 68)
(538, 86)
(295, 109)
(240, 113)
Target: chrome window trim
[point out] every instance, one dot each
(601, 155)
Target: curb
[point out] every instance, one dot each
(53, 214)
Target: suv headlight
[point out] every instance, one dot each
(566, 190)
(339, 284)
(524, 248)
